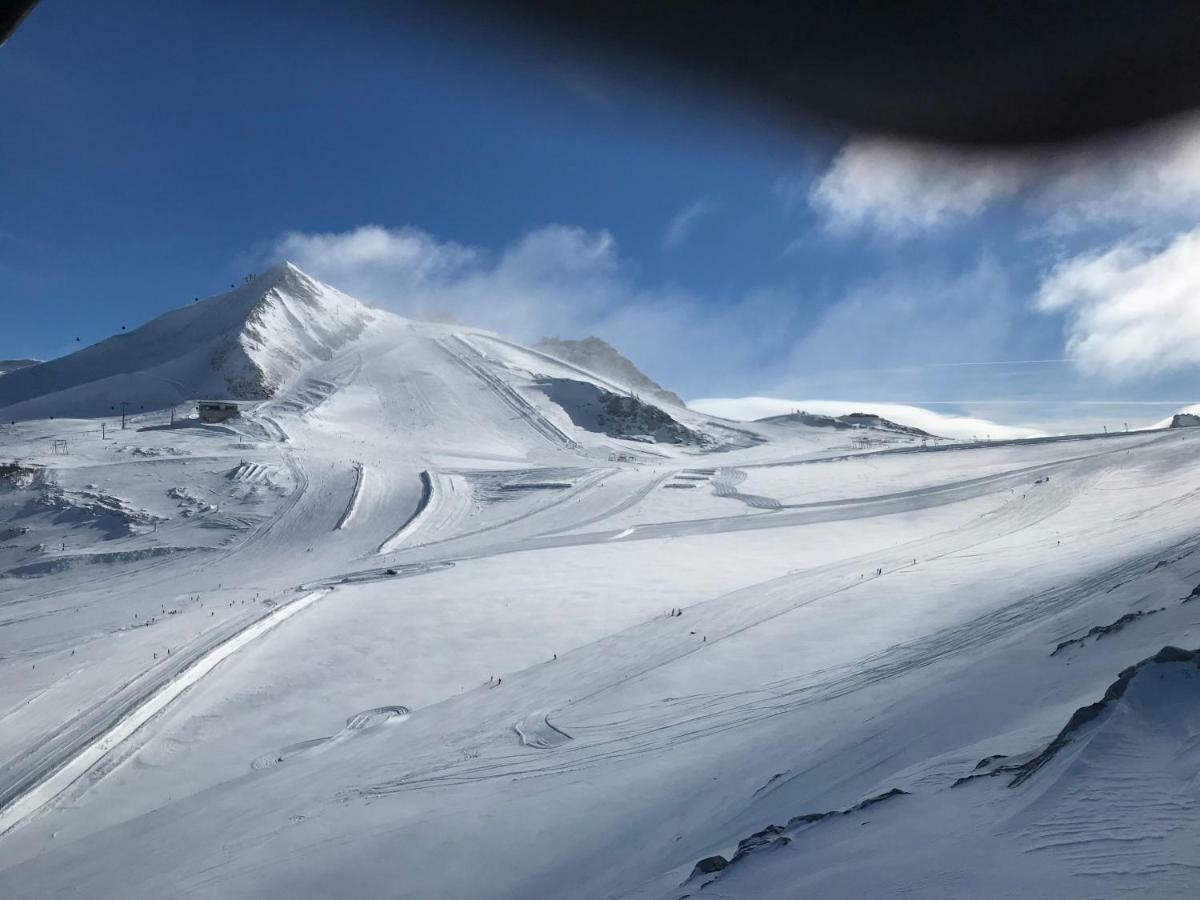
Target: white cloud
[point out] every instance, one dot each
(406, 253)
(1131, 310)
(747, 409)
(557, 280)
(898, 188)
(684, 222)
(1146, 179)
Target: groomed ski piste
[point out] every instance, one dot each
(409, 626)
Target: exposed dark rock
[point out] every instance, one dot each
(710, 864)
(1185, 420)
(1174, 654)
(1193, 595)
(1099, 631)
(757, 841)
(616, 415)
(988, 760)
(878, 798)
(770, 781)
(775, 837)
(853, 420)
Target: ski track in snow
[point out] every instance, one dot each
(469, 358)
(535, 730)
(49, 784)
(360, 473)
(429, 498)
(359, 722)
(724, 485)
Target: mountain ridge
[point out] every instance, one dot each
(243, 344)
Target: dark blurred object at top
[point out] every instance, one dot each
(11, 14)
(968, 72)
(999, 73)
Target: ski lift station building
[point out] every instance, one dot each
(217, 410)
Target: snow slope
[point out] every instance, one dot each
(11, 365)
(406, 628)
(602, 358)
(245, 344)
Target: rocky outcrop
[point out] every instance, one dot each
(1099, 631)
(616, 415)
(775, 837)
(1023, 771)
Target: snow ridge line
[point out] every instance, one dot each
(360, 472)
(64, 776)
(427, 497)
(532, 416)
(607, 383)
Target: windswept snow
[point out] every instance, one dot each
(420, 621)
(595, 355)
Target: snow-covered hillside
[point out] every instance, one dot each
(245, 344)
(851, 420)
(441, 615)
(11, 365)
(602, 358)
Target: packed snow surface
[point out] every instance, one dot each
(436, 616)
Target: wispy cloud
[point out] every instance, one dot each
(943, 424)
(585, 85)
(684, 222)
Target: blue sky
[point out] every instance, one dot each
(158, 153)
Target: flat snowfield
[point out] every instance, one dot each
(412, 628)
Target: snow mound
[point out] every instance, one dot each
(602, 358)
(245, 344)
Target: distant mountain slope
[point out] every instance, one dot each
(602, 358)
(595, 409)
(11, 365)
(244, 344)
(851, 420)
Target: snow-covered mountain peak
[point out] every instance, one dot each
(244, 344)
(296, 321)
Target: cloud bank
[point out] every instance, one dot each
(747, 409)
